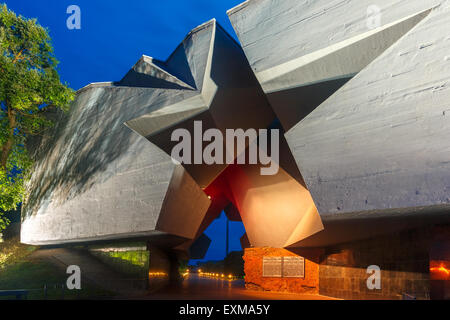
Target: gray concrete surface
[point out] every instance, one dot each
(364, 108)
(381, 141)
(96, 179)
(229, 98)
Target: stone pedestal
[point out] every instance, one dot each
(254, 279)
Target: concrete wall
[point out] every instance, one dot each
(299, 28)
(364, 108)
(96, 179)
(159, 271)
(403, 259)
(381, 141)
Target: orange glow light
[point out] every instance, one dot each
(441, 269)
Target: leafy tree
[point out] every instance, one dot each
(29, 87)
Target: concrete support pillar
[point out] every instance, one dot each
(175, 278)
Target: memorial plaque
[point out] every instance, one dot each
(294, 267)
(272, 267)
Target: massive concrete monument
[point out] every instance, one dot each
(108, 172)
(98, 179)
(357, 91)
(360, 97)
(360, 87)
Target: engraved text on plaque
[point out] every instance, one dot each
(272, 267)
(293, 267)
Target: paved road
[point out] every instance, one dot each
(93, 270)
(197, 288)
(192, 288)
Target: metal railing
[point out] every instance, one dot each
(19, 294)
(22, 294)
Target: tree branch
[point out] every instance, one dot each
(18, 56)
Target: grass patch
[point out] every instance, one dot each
(132, 264)
(12, 251)
(19, 272)
(34, 275)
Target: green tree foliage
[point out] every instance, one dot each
(29, 87)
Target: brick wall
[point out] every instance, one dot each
(402, 257)
(340, 271)
(253, 267)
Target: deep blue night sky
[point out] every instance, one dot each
(114, 35)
